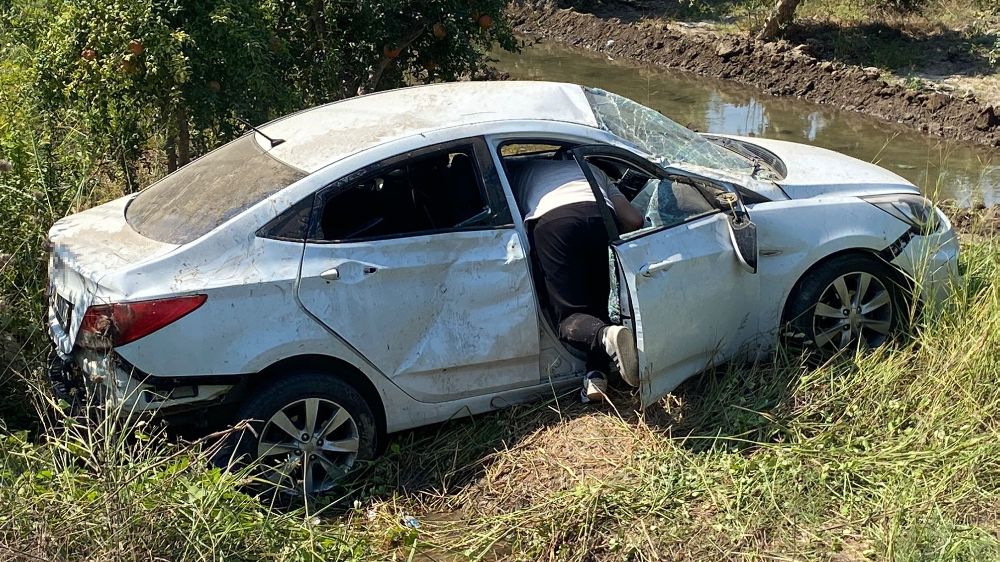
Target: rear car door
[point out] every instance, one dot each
(416, 264)
(684, 291)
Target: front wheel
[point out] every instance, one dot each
(849, 301)
(306, 431)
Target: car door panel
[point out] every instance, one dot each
(693, 304)
(692, 301)
(445, 316)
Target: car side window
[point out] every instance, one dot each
(668, 202)
(663, 202)
(434, 191)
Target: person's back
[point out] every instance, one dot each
(544, 185)
(569, 245)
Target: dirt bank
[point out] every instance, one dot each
(978, 221)
(779, 68)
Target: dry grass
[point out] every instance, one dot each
(893, 456)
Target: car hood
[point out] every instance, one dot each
(88, 249)
(814, 172)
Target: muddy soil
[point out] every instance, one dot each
(975, 222)
(779, 68)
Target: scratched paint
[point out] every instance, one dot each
(453, 312)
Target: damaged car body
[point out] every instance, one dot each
(371, 272)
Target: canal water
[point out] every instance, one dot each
(968, 173)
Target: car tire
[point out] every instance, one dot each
(820, 324)
(336, 430)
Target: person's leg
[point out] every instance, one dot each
(613, 342)
(583, 331)
(570, 245)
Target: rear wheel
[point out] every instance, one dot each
(849, 301)
(306, 432)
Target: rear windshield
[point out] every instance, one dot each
(209, 191)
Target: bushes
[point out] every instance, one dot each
(129, 71)
(99, 99)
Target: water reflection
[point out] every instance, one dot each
(967, 173)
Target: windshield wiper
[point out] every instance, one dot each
(737, 148)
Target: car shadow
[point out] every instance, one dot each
(739, 405)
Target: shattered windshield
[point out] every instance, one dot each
(669, 143)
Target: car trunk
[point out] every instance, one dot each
(89, 250)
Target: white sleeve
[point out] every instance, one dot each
(607, 186)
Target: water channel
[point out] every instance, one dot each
(944, 169)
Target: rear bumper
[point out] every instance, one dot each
(102, 379)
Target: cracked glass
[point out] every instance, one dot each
(666, 141)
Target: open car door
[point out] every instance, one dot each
(687, 280)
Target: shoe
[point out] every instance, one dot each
(620, 345)
(595, 387)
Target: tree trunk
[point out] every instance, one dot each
(171, 148)
(183, 137)
(784, 12)
(128, 171)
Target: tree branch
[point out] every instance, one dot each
(384, 61)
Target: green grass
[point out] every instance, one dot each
(892, 456)
(885, 457)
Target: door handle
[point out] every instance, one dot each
(331, 274)
(647, 270)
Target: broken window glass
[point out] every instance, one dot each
(669, 143)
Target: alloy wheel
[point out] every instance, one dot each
(306, 446)
(855, 307)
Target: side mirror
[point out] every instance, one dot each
(743, 233)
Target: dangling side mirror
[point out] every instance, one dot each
(742, 231)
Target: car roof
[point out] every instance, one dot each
(319, 136)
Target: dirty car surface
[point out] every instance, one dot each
(372, 274)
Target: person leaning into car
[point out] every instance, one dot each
(570, 250)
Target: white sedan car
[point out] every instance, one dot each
(361, 268)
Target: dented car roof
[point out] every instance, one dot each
(319, 136)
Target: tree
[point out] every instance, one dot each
(131, 74)
(781, 16)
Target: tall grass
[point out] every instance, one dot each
(119, 489)
(892, 456)
(889, 456)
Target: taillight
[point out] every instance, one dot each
(110, 325)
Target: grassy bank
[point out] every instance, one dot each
(894, 456)
(949, 45)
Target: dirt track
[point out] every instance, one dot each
(778, 68)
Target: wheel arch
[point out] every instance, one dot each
(329, 365)
(902, 278)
